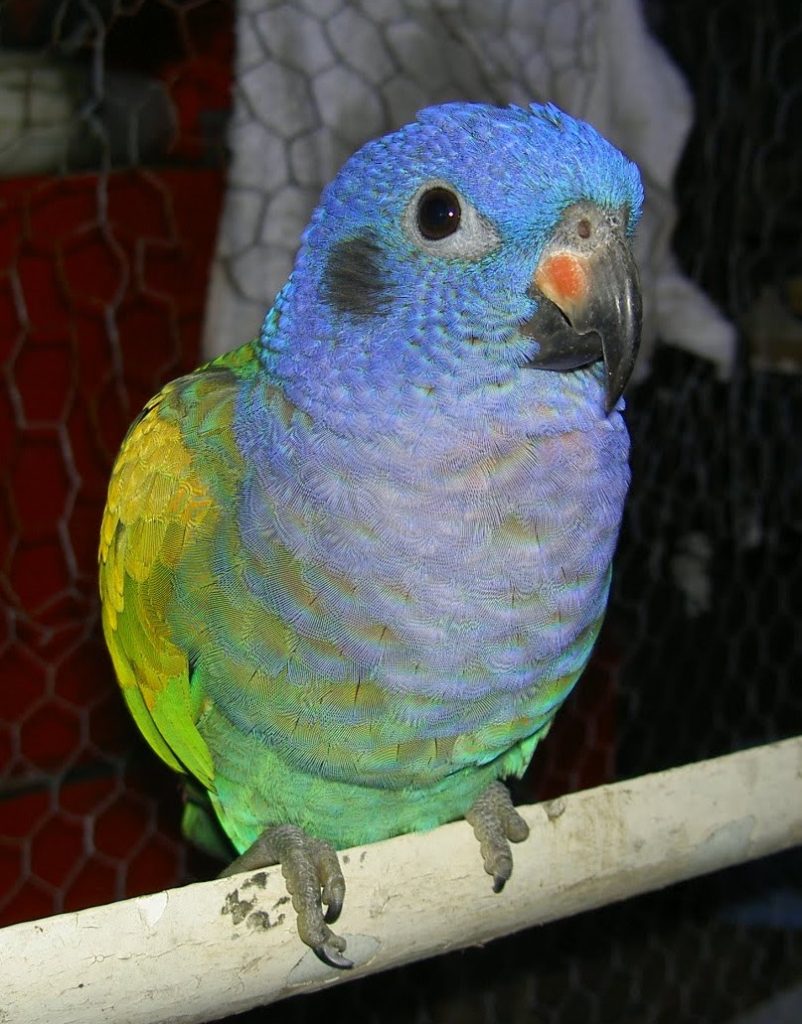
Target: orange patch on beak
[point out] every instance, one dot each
(562, 279)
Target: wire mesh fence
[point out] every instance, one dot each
(112, 155)
(113, 177)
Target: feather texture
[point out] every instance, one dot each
(351, 570)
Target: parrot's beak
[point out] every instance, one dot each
(590, 301)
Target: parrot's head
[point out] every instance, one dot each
(477, 243)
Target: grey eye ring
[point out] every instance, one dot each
(442, 222)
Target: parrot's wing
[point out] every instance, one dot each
(162, 501)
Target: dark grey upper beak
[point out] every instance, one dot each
(589, 299)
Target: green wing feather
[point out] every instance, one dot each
(164, 500)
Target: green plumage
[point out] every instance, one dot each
(351, 570)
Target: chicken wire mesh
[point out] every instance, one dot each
(113, 165)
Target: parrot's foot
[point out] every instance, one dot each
(496, 824)
(313, 876)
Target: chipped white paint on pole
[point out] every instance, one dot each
(205, 951)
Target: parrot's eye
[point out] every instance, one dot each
(444, 224)
(439, 213)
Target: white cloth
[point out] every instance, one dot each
(317, 78)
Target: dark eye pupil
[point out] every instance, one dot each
(438, 213)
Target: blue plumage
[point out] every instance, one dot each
(403, 562)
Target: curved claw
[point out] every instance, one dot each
(333, 910)
(332, 957)
(331, 881)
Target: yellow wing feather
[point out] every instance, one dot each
(159, 503)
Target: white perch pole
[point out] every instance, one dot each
(208, 950)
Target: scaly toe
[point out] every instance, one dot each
(313, 877)
(496, 823)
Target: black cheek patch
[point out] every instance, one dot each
(354, 280)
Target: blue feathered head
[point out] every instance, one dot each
(478, 236)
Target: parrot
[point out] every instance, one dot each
(350, 570)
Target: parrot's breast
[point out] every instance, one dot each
(395, 618)
(463, 575)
